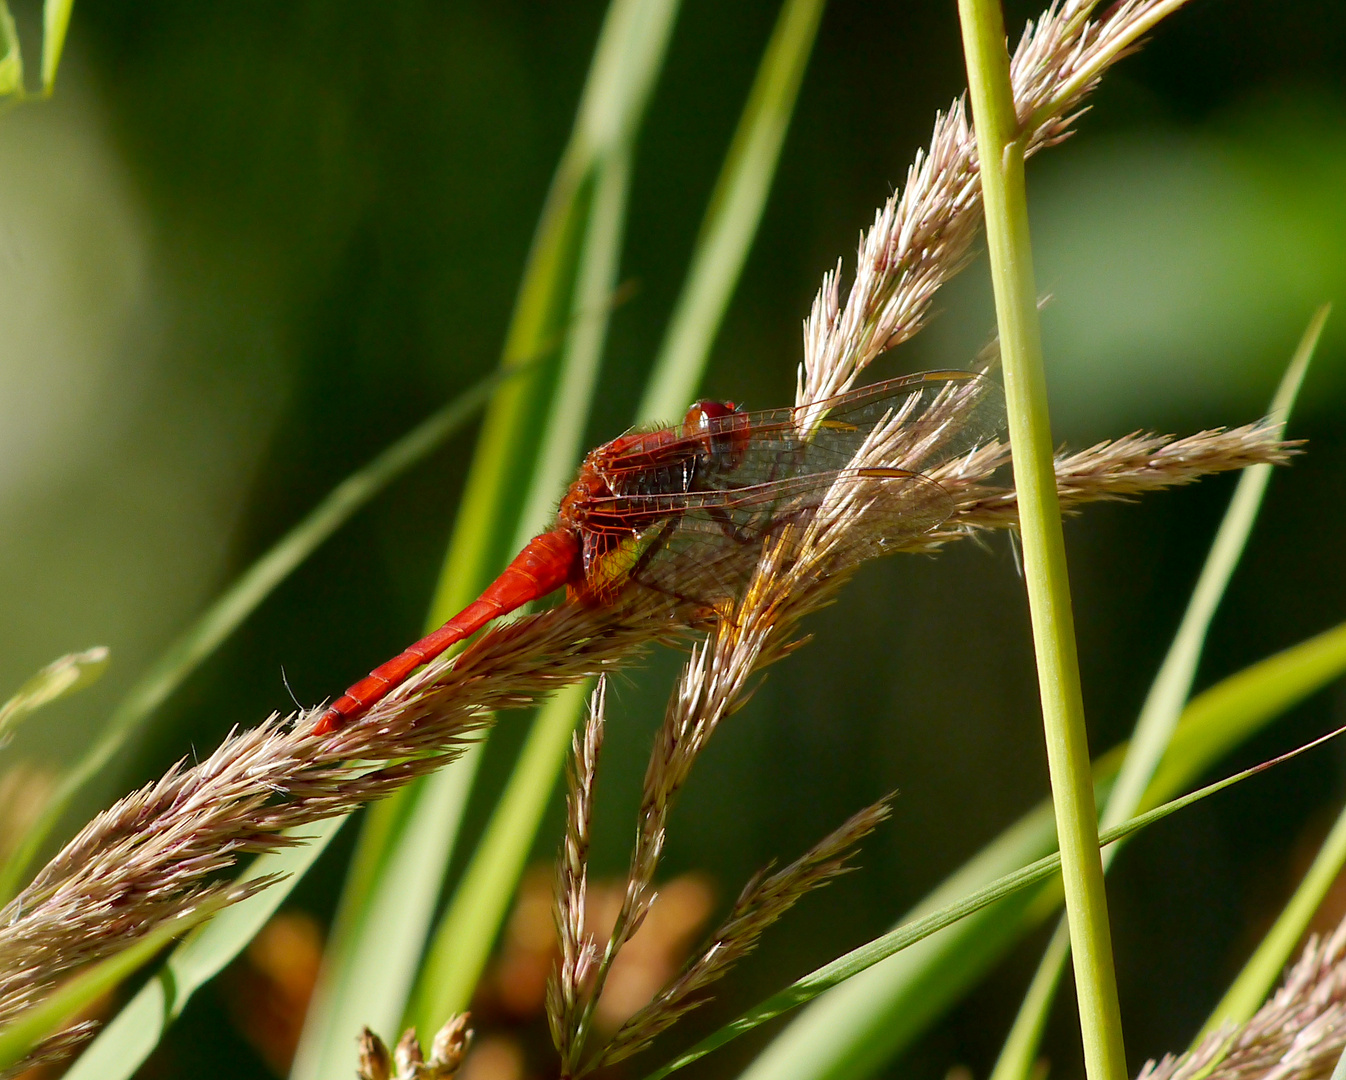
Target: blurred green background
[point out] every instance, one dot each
(247, 245)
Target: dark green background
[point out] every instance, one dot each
(250, 244)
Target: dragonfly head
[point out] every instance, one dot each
(700, 415)
(720, 426)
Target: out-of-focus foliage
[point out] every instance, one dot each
(244, 247)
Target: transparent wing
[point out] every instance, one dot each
(702, 547)
(943, 414)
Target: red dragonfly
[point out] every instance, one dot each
(685, 509)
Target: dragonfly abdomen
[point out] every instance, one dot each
(545, 564)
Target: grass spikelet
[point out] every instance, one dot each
(762, 902)
(407, 1061)
(1299, 1034)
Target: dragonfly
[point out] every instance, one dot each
(685, 509)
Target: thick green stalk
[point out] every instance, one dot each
(1163, 704)
(1004, 194)
(215, 625)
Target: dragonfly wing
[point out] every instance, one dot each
(702, 547)
(939, 416)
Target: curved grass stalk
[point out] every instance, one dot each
(733, 213)
(46, 1019)
(385, 917)
(1264, 968)
(64, 675)
(124, 1044)
(11, 56)
(55, 23)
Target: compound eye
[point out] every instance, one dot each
(700, 415)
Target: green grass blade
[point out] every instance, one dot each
(469, 927)
(370, 964)
(128, 1040)
(462, 941)
(1264, 968)
(11, 57)
(1222, 717)
(62, 1006)
(465, 935)
(733, 214)
(627, 60)
(1172, 685)
(1164, 702)
(1019, 1054)
(866, 956)
(55, 23)
(857, 1028)
(596, 282)
(62, 676)
(239, 601)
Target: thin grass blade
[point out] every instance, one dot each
(469, 927)
(370, 963)
(857, 1028)
(866, 956)
(1173, 683)
(464, 937)
(466, 932)
(239, 601)
(55, 23)
(129, 1039)
(733, 214)
(1267, 964)
(11, 57)
(1163, 704)
(64, 675)
(414, 829)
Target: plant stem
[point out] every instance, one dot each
(1003, 191)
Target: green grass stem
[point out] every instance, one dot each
(1005, 198)
(461, 943)
(55, 23)
(64, 675)
(364, 980)
(1163, 704)
(125, 1042)
(199, 642)
(57, 1010)
(469, 927)
(11, 56)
